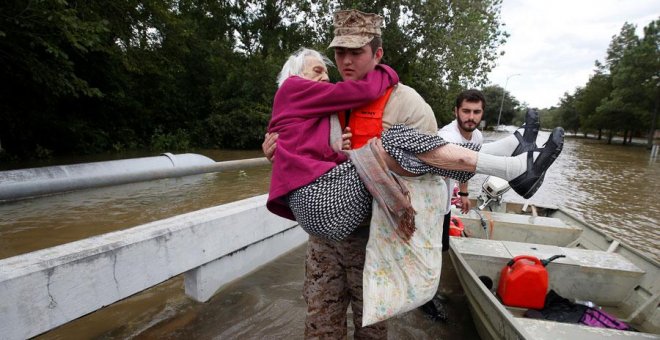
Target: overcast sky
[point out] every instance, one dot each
(553, 43)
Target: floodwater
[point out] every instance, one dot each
(612, 186)
(32, 224)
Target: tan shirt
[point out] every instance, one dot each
(406, 106)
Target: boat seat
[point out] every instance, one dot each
(521, 228)
(592, 275)
(550, 330)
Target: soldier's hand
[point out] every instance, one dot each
(269, 145)
(346, 139)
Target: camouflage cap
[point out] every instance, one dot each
(354, 29)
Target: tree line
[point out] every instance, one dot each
(95, 76)
(623, 94)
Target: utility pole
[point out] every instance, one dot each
(502, 103)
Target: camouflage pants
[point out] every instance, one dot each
(333, 280)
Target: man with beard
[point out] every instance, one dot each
(469, 111)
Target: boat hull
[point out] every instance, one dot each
(490, 318)
(635, 280)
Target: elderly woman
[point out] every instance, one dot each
(315, 183)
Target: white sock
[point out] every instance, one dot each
(503, 146)
(507, 168)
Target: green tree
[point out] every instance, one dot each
(615, 112)
(85, 77)
(496, 98)
(634, 65)
(550, 117)
(636, 81)
(650, 54)
(623, 93)
(265, 33)
(595, 91)
(40, 44)
(567, 111)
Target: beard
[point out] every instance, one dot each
(463, 125)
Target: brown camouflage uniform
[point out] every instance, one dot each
(333, 279)
(354, 29)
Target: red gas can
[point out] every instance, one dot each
(524, 282)
(456, 226)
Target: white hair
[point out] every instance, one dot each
(295, 65)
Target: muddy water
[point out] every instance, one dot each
(613, 187)
(29, 225)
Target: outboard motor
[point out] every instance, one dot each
(492, 191)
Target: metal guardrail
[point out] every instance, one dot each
(28, 183)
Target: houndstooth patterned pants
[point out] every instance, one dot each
(333, 205)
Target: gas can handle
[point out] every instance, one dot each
(545, 262)
(524, 257)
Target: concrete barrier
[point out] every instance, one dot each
(47, 288)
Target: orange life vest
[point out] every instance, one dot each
(366, 122)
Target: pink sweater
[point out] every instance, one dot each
(301, 117)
